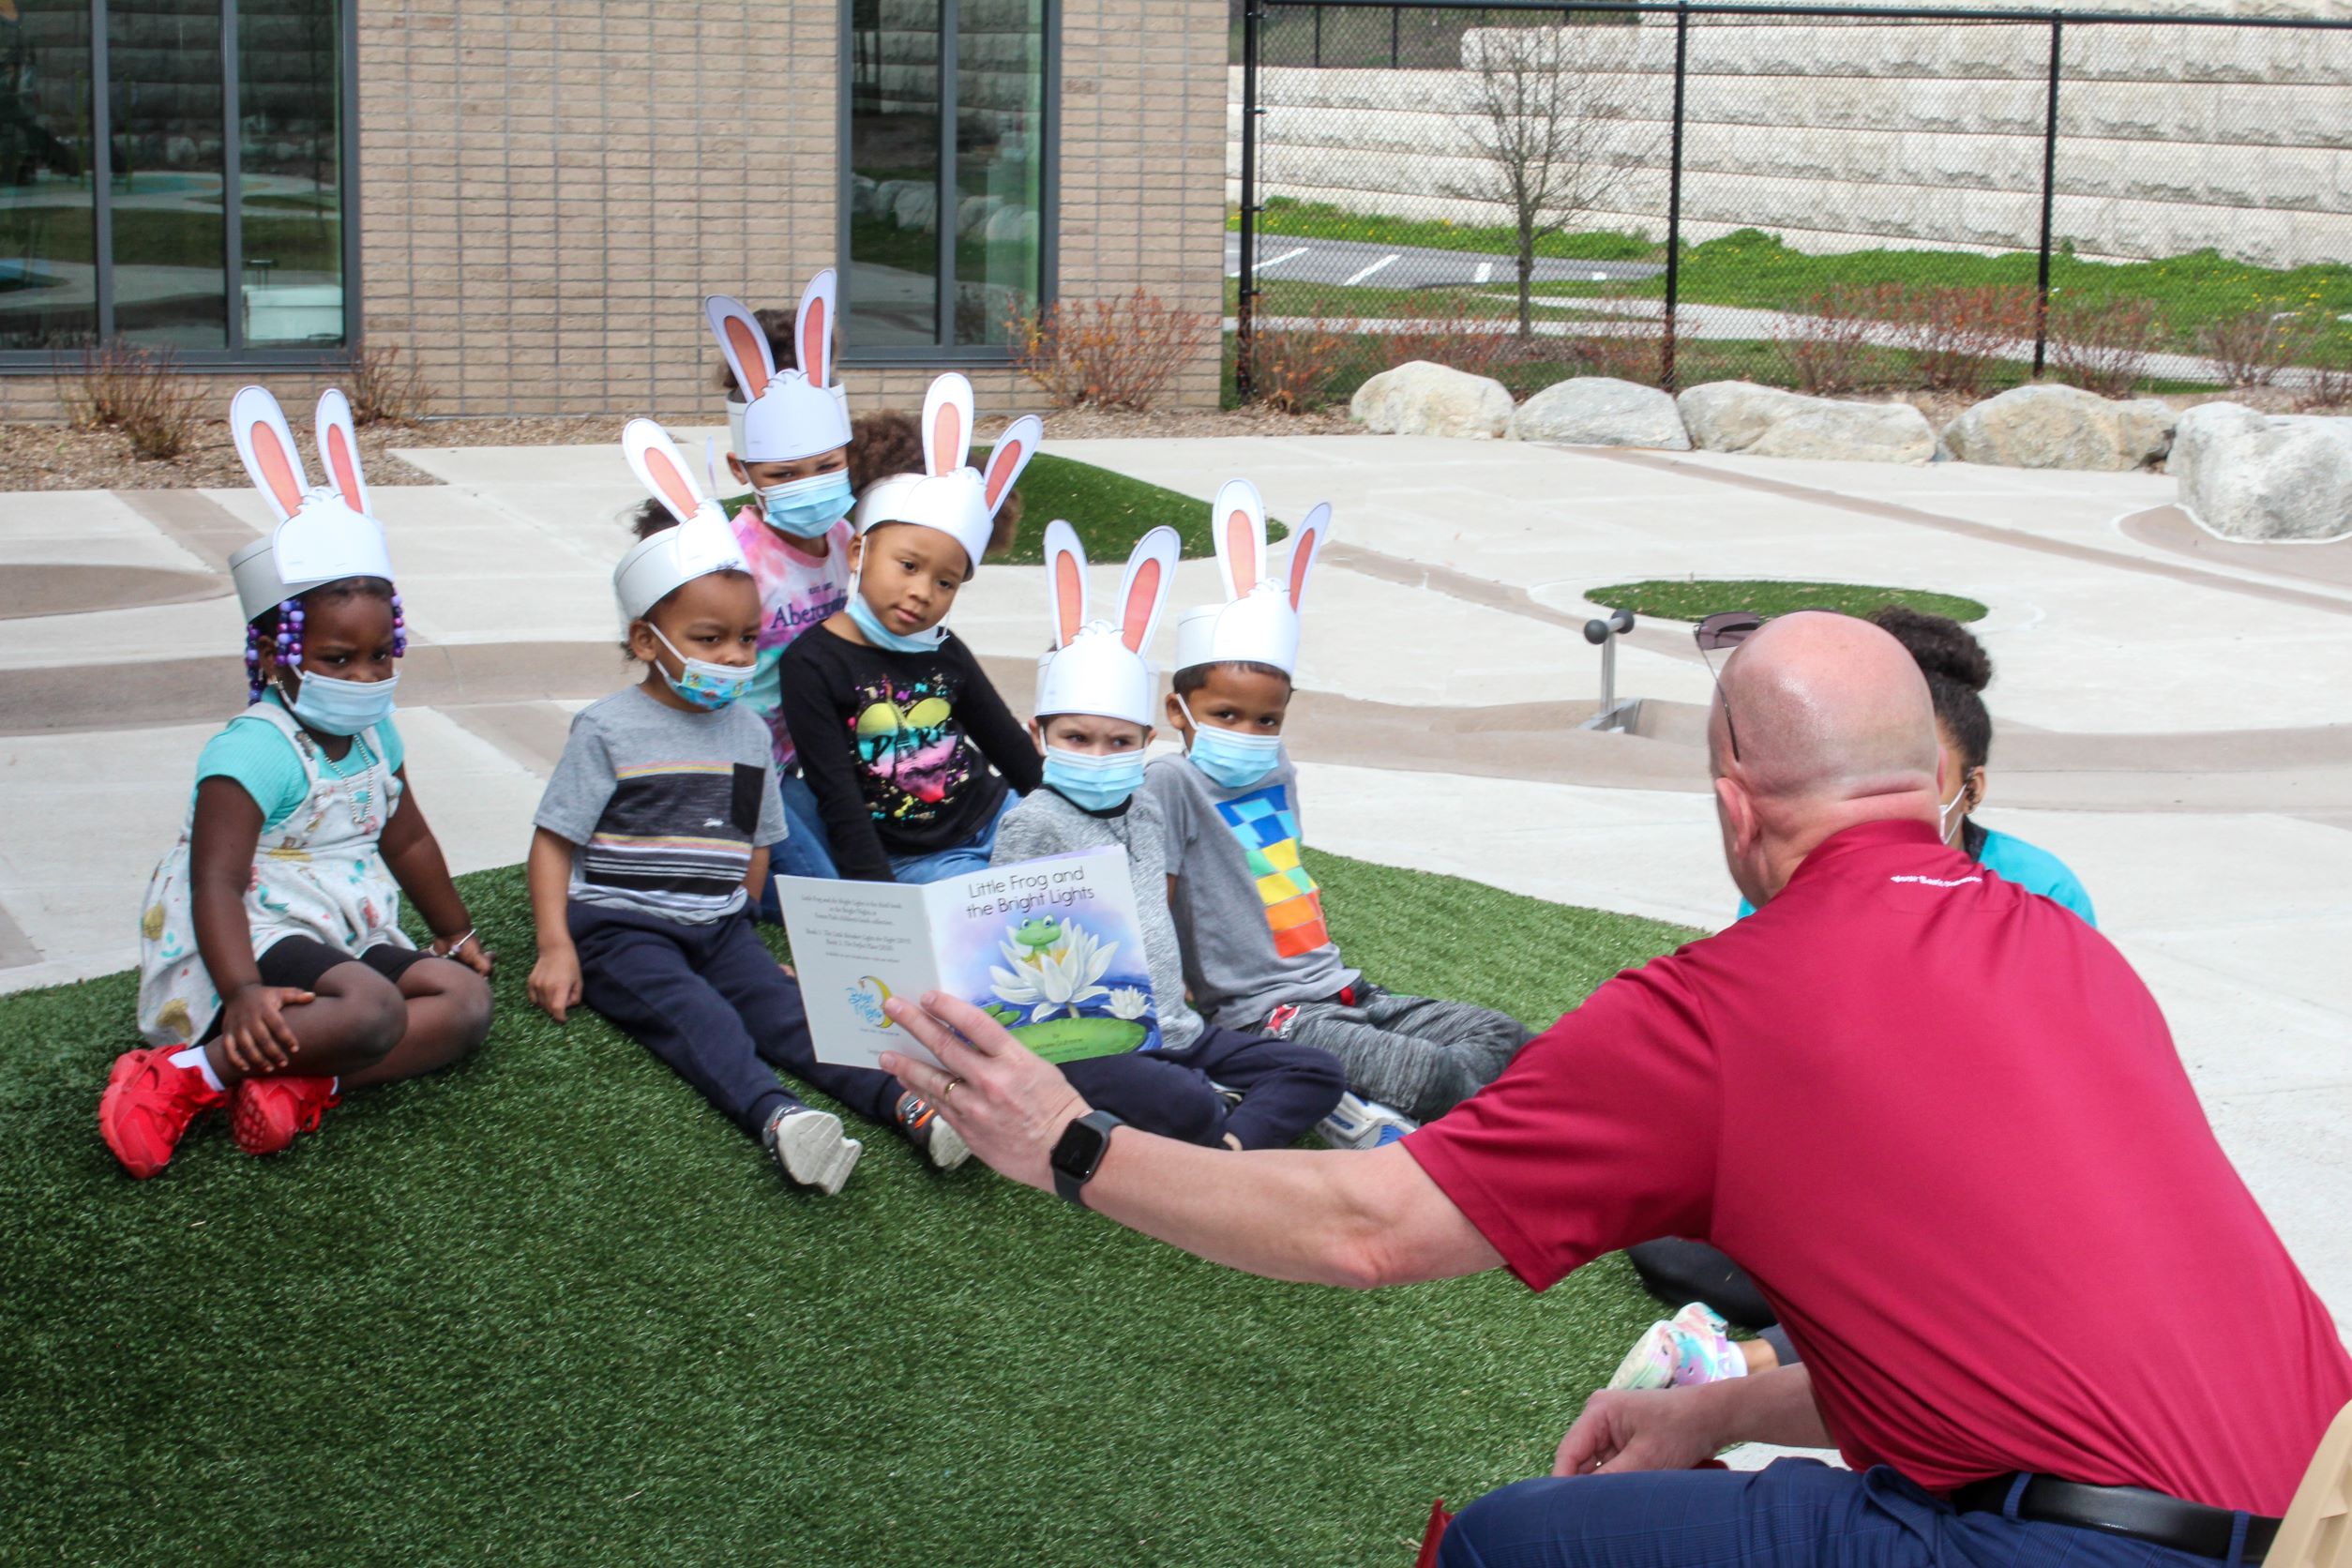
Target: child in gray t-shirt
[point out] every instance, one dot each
(653, 830)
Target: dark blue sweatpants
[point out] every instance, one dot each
(710, 1002)
(1792, 1513)
(1284, 1089)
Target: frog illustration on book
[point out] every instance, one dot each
(1050, 993)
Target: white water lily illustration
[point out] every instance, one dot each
(1129, 1003)
(1057, 978)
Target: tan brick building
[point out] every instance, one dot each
(545, 188)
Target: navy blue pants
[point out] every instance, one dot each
(710, 1002)
(1792, 1513)
(1284, 1089)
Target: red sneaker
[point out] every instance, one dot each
(267, 1113)
(147, 1108)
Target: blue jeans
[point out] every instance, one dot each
(806, 851)
(1792, 1513)
(956, 860)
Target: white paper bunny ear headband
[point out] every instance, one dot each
(958, 501)
(787, 415)
(701, 543)
(1100, 666)
(323, 535)
(1258, 623)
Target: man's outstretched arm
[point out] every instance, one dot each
(1329, 1218)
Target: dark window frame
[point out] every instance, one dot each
(237, 356)
(943, 353)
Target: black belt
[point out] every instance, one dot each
(2133, 1511)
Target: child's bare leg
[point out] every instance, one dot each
(1760, 1355)
(355, 1018)
(447, 1012)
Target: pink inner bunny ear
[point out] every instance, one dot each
(1003, 464)
(815, 330)
(751, 356)
(947, 435)
(1302, 558)
(1143, 595)
(677, 489)
(1240, 549)
(1069, 595)
(343, 464)
(276, 465)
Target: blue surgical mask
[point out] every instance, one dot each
(334, 707)
(703, 682)
(1098, 783)
(1228, 757)
(862, 615)
(805, 508)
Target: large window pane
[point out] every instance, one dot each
(290, 202)
(164, 89)
(894, 91)
(48, 276)
(1000, 145)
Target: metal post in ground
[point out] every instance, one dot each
(1674, 194)
(2049, 190)
(1395, 19)
(1244, 331)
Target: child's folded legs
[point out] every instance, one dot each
(1146, 1090)
(1284, 1087)
(1420, 1054)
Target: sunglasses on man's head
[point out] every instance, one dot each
(1726, 628)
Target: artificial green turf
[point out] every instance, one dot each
(549, 1307)
(1694, 598)
(1110, 511)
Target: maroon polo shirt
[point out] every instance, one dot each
(1943, 1124)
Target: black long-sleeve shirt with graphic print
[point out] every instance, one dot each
(896, 747)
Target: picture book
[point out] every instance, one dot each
(1050, 949)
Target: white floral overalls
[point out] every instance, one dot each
(317, 874)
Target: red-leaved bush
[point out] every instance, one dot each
(1107, 353)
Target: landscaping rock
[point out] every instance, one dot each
(2062, 427)
(2249, 476)
(1421, 399)
(1601, 411)
(915, 206)
(1766, 422)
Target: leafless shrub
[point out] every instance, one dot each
(1107, 353)
(1829, 350)
(2103, 346)
(384, 390)
(139, 392)
(2251, 348)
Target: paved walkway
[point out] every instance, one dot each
(2172, 716)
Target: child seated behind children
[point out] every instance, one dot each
(274, 975)
(656, 825)
(1257, 953)
(1094, 694)
(896, 724)
(792, 451)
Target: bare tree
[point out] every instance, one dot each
(1550, 113)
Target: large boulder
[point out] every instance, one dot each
(2062, 427)
(1766, 422)
(1421, 399)
(2251, 476)
(915, 206)
(1601, 411)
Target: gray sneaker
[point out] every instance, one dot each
(810, 1147)
(942, 1144)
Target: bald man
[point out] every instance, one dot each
(1944, 1187)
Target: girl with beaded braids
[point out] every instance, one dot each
(274, 975)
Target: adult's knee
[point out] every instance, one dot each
(1516, 1525)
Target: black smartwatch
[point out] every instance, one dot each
(1078, 1154)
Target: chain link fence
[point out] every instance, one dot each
(1832, 197)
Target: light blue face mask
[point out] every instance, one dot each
(805, 508)
(862, 615)
(1229, 758)
(334, 707)
(1098, 783)
(705, 683)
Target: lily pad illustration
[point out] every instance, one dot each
(1070, 1039)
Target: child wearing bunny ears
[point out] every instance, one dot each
(896, 724)
(1095, 692)
(790, 435)
(1257, 952)
(274, 975)
(655, 826)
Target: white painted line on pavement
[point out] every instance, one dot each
(1485, 273)
(1287, 255)
(1367, 272)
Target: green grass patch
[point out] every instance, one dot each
(1110, 510)
(1283, 215)
(546, 1307)
(1694, 598)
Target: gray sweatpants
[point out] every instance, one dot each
(1417, 1054)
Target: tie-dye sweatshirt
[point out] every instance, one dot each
(796, 592)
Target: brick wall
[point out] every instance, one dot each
(547, 188)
